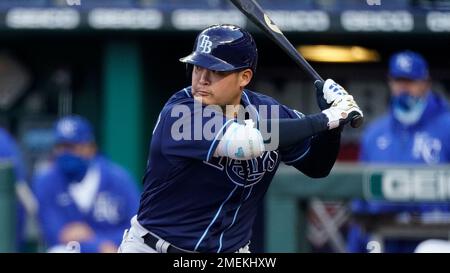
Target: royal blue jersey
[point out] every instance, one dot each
(106, 204)
(200, 202)
(388, 141)
(426, 142)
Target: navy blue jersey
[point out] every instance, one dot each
(200, 202)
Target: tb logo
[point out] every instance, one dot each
(205, 44)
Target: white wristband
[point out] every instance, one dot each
(241, 142)
(334, 115)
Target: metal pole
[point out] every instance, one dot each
(8, 209)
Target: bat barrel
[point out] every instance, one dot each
(256, 14)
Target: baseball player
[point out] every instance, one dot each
(83, 197)
(415, 130)
(201, 193)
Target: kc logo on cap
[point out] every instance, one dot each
(405, 63)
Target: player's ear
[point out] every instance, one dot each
(245, 77)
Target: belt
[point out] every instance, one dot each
(161, 245)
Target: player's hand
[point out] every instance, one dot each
(108, 247)
(342, 111)
(328, 92)
(76, 231)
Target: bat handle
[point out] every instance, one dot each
(357, 120)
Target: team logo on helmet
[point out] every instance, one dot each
(205, 44)
(223, 48)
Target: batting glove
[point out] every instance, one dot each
(328, 92)
(342, 111)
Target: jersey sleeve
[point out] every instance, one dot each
(51, 217)
(191, 130)
(295, 153)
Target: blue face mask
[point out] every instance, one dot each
(408, 109)
(73, 166)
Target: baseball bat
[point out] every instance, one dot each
(256, 14)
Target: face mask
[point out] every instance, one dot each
(73, 167)
(408, 109)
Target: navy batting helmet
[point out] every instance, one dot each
(224, 48)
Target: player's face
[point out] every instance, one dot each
(219, 88)
(414, 88)
(86, 150)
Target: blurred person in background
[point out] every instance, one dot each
(416, 130)
(83, 197)
(10, 151)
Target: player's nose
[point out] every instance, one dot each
(204, 77)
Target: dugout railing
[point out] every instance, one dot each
(286, 221)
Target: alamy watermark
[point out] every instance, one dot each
(209, 122)
(373, 2)
(73, 2)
